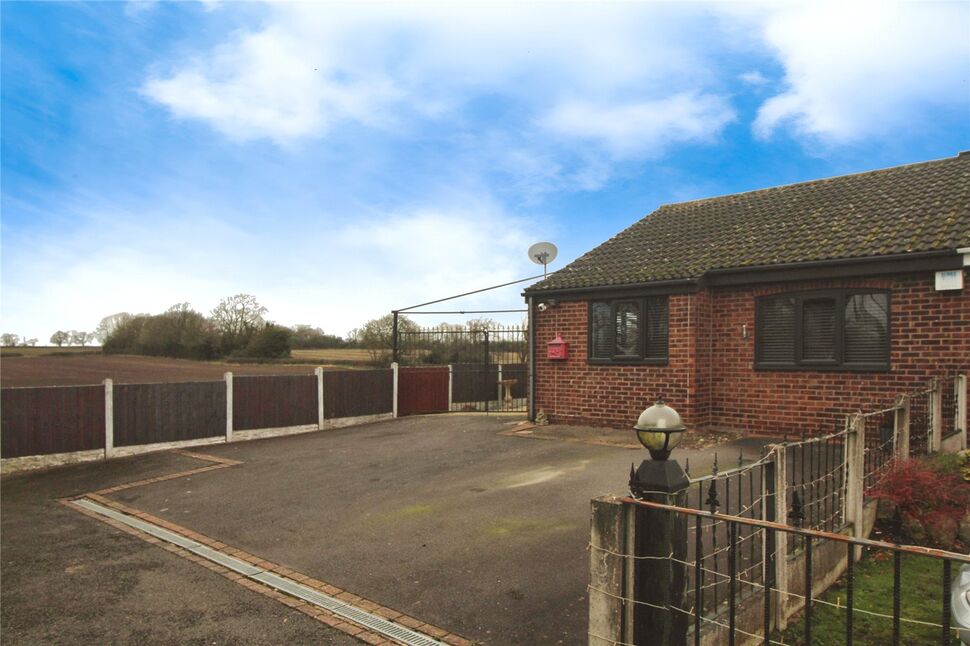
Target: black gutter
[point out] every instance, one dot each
(532, 359)
(671, 286)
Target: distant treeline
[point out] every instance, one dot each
(236, 328)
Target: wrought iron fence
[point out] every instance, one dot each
(765, 593)
(739, 491)
(489, 366)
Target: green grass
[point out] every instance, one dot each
(921, 598)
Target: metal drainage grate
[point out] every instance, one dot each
(293, 588)
(355, 614)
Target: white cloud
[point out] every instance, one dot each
(856, 70)
(312, 67)
(753, 77)
(267, 84)
(642, 128)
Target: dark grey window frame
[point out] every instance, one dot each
(618, 359)
(837, 363)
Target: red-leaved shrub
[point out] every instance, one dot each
(927, 498)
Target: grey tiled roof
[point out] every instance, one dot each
(919, 207)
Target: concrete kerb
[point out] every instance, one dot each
(319, 614)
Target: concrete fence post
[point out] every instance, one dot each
(228, 378)
(394, 382)
(776, 510)
(499, 385)
(451, 385)
(109, 418)
(319, 373)
(901, 428)
(936, 412)
(607, 570)
(855, 443)
(960, 422)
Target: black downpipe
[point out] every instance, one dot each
(532, 360)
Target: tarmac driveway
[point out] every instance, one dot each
(444, 518)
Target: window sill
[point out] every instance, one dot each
(818, 368)
(626, 362)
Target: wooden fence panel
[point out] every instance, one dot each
(274, 401)
(422, 390)
(41, 421)
(351, 393)
(150, 413)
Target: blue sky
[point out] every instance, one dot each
(341, 160)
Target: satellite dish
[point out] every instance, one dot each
(543, 253)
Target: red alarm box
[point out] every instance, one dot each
(557, 349)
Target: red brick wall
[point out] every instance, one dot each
(710, 378)
(574, 392)
(930, 336)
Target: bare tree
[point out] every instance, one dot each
(9, 340)
(109, 324)
(81, 338)
(60, 337)
(238, 318)
(377, 335)
(30, 342)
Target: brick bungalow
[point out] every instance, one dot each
(769, 311)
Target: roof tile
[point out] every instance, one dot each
(913, 208)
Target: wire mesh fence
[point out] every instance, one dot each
(920, 423)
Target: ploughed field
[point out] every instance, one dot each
(340, 355)
(80, 369)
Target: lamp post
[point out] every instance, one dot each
(659, 430)
(659, 581)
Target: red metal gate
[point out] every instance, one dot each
(422, 390)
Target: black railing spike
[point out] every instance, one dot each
(796, 515)
(897, 526)
(712, 501)
(714, 468)
(687, 467)
(740, 457)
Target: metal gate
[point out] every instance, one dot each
(487, 368)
